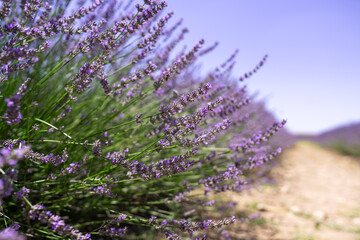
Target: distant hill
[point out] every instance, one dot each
(348, 133)
(345, 139)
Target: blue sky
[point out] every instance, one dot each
(312, 76)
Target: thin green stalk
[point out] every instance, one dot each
(120, 69)
(52, 126)
(27, 201)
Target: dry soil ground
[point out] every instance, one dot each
(316, 196)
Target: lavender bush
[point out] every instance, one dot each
(104, 135)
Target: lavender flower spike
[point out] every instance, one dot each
(56, 223)
(13, 115)
(5, 9)
(11, 234)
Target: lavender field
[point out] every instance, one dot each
(114, 126)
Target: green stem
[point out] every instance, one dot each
(120, 69)
(27, 201)
(50, 125)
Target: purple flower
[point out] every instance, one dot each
(23, 87)
(55, 222)
(112, 231)
(65, 112)
(5, 9)
(36, 127)
(247, 75)
(109, 230)
(179, 64)
(157, 31)
(13, 115)
(11, 234)
(24, 192)
(5, 187)
(50, 158)
(209, 49)
(10, 157)
(30, 7)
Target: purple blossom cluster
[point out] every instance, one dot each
(13, 115)
(49, 158)
(174, 165)
(74, 167)
(30, 7)
(206, 136)
(134, 78)
(179, 64)
(109, 229)
(204, 225)
(5, 9)
(50, 28)
(65, 112)
(11, 234)
(188, 226)
(116, 158)
(8, 69)
(39, 212)
(8, 160)
(177, 105)
(104, 189)
(171, 30)
(6, 187)
(258, 138)
(190, 122)
(23, 87)
(157, 30)
(10, 157)
(82, 80)
(209, 49)
(162, 57)
(24, 192)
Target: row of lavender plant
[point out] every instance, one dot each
(104, 135)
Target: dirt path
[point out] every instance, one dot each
(317, 196)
